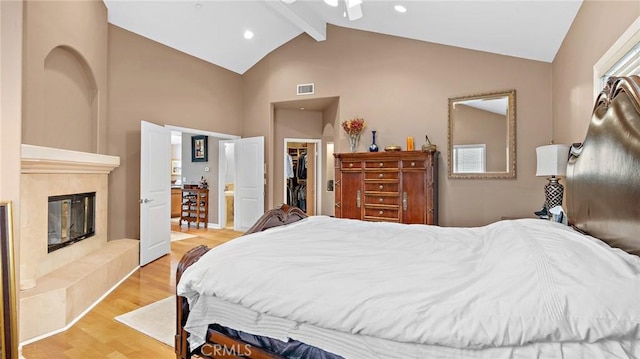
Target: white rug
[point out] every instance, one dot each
(157, 320)
(178, 236)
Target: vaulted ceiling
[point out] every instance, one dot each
(213, 30)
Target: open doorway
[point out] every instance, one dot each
(176, 175)
(302, 164)
(300, 123)
(188, 173)
(228, 182)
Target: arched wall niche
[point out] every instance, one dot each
(70, 104)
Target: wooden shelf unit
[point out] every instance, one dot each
(195, 206)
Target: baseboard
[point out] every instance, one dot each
(66, 327)
(214, 226)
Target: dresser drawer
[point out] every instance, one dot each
(381, 164)
(345, 165)
(381, 200)
(417, 164)
(371, 213)
(382, 187)
(380, 175)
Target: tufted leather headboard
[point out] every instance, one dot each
(603, 174)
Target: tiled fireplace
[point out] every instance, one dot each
(57, 286)
(54, 172)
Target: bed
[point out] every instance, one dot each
(318, 287)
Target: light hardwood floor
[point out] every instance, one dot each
(99, 335)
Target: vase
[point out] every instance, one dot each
(353, 142)
(373, 147)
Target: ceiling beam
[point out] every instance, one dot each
(302, 17)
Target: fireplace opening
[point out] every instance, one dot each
(71, 219)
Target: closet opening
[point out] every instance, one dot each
(302, 174)
(304, 128)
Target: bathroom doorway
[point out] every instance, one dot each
(227, 180)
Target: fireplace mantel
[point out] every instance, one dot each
(38, 159)
(49, 172)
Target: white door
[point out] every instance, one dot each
(155, 192)
(249, 177)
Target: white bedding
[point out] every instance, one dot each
(511, 284)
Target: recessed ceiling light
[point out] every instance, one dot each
(400, 8)
(302, 108)
(248, 34)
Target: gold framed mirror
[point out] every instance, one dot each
(482, 136)
(8, 333)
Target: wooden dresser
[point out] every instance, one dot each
(387, 186)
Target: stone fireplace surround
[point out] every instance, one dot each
(57, 288)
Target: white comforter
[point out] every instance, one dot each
(507, 284)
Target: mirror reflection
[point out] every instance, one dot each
(482, 136)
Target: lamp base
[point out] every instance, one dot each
(553, 192)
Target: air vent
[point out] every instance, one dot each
(306, 89)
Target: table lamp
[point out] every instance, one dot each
(552, 161)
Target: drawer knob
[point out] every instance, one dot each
(381, 164)
(413, 164)
(381, 187)
(380, 199)
(350, 164)
(380, 175)
(381, 213)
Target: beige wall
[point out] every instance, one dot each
(329, 119)
(149, 81)
(50, 113)
(401, 88)
(476, 126)
(11, 40)
(596, 27)
(10, 103)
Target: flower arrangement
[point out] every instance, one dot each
(354, 126)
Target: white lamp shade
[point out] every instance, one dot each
(552, 160)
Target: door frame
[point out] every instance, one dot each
(319, 173)
(222, 137)
(222, 169)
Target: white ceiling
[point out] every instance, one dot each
(213, 30)
(496, 105)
